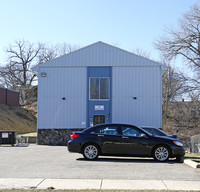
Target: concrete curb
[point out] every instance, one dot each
(192, 163)
(100, 184)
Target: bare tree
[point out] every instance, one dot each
(17, 73)
(185, 41)
(51, 52)
(21, 57)
(141, 52)
(174, 87)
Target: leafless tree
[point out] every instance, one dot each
(51, 52)
(141, 52)
(21, 57)
(174, 87)
(17, 73)
(184, 42)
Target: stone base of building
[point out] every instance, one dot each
(54, 136)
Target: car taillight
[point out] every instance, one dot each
(74, 136)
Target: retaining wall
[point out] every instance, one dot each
(54, 136)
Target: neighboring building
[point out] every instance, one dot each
(9, 97)
(96, 84)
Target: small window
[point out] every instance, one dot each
(131, 131)
(99, 88)
(94, 88)
(108, 130)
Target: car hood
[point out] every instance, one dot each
(165, 137)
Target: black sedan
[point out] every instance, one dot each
(123, 140)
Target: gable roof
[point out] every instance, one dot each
(99, 54)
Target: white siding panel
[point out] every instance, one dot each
(69, 83)
(143, 83)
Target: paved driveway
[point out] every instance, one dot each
(37, 161)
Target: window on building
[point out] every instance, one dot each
(99, 88)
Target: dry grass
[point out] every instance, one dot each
(46, 190)
(32, 134)
(17, 119)
(194, 157)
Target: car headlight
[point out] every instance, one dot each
(178, 143)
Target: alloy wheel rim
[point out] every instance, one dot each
(161, 153)
(90, 151)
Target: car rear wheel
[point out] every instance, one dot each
(91, 151)
(161, 153)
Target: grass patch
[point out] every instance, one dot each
(32, 134)
(193, 156)
(17, 119)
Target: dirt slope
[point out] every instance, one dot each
(17, 119)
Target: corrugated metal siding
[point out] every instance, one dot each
(69, 83)
(100, 54)
(144, 83)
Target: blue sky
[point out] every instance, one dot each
(128, 24)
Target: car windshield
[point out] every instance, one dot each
(155, 131)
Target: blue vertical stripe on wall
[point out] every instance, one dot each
(99, 72)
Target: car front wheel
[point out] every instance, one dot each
(91, 151)
(161, 153)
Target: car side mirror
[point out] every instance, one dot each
(175, 136)
(143, 135)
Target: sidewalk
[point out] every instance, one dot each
(8, 183)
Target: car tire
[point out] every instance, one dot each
(91, 151)
(180, 159)
(161, 153)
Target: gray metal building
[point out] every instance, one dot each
(96, 84)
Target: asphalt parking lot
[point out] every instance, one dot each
(39, 161)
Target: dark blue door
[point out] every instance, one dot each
(99, 95)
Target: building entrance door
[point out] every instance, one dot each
(99, 119)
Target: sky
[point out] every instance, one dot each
(128, 24)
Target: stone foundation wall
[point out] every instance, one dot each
(54, 136)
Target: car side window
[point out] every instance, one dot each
(130, 131)
(159, 133)
(107, 130)
(149, 131)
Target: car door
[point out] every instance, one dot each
(108, 138)
(133, 142)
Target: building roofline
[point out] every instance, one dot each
(35, 68)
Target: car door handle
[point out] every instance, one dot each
(125, 137)
(100, 135)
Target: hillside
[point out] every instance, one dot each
(17, 119)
